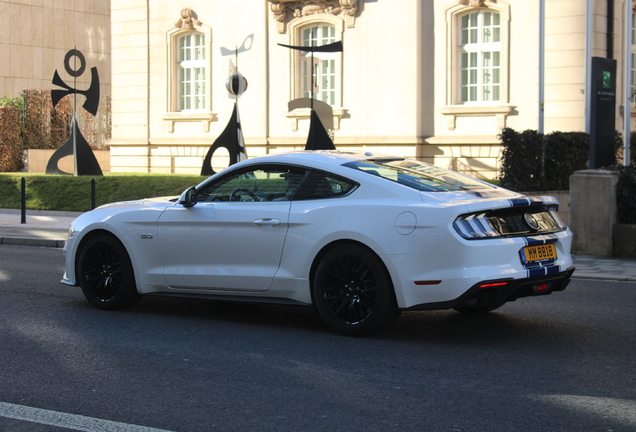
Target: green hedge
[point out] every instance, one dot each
(68, 193)
(521, 160)
(626, 194)
(565, 152)
(10, 140)
(535, 162)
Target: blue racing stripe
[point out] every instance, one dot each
(518, 202)
(552, 269)
(536, 272)
(536, 200)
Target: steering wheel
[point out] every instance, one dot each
(236, 191)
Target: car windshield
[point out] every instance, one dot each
(418, 175)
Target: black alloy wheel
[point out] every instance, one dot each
(106, 275)
(353, 291)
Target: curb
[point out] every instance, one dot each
(606, 277)
(38, 242)
(42, 212)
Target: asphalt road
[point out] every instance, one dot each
(565, 362)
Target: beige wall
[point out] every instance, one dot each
(381, 108)
(37, 34)
(397, 81)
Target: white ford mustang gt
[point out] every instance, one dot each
(360, 237)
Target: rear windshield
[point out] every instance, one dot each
(418, 175)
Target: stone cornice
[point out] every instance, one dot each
(285, 10)
(475, 3)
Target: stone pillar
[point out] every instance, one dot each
(593, 211)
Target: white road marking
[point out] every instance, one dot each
(69, 421)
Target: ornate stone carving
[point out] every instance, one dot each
(473, 3)
(286, 9)
(188, 20)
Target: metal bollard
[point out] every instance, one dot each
(23, 198)
(92, 194)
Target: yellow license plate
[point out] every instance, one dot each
(538, 253)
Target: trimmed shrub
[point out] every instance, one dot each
(534, 162)
(565, 152)
(626, 194)
(48, 127)
(10, 139)
(522, 160)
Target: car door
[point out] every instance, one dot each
(233, 238)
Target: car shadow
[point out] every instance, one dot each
(499, 328)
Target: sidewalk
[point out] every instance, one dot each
(42, 228)
(50, 228)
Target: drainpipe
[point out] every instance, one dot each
(610, 29)
(627, 112)
(541, 64)
(588, 63)
(267, 83)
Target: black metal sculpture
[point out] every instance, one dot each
(76, 145)
(318, 138)
(232, 136)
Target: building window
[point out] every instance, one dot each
(324, 67)
(191, 67)
(480, 57)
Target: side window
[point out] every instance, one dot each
(319, 185)
(262, 183)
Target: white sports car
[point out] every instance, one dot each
(360, 237)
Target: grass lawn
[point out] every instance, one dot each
(68, 193)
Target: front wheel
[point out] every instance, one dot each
(106, 275)
(353, 292)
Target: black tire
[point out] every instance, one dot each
(106, 275)
(353, 292)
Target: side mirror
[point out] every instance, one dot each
(189, 197)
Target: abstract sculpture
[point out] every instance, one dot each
(232, 136)
(318, 138)
(76, 145)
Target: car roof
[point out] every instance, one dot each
(329, 157)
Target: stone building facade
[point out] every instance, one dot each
(436, 80)
(37, 34)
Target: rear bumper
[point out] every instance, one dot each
(499, 291)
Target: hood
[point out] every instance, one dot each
(147, 202)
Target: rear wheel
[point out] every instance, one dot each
(353, 292)
(106, 275)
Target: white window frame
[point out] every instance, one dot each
(295, 28)
(191, 66)
(453, 107)
(325, 64)
(174, 114)
(479, 59)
